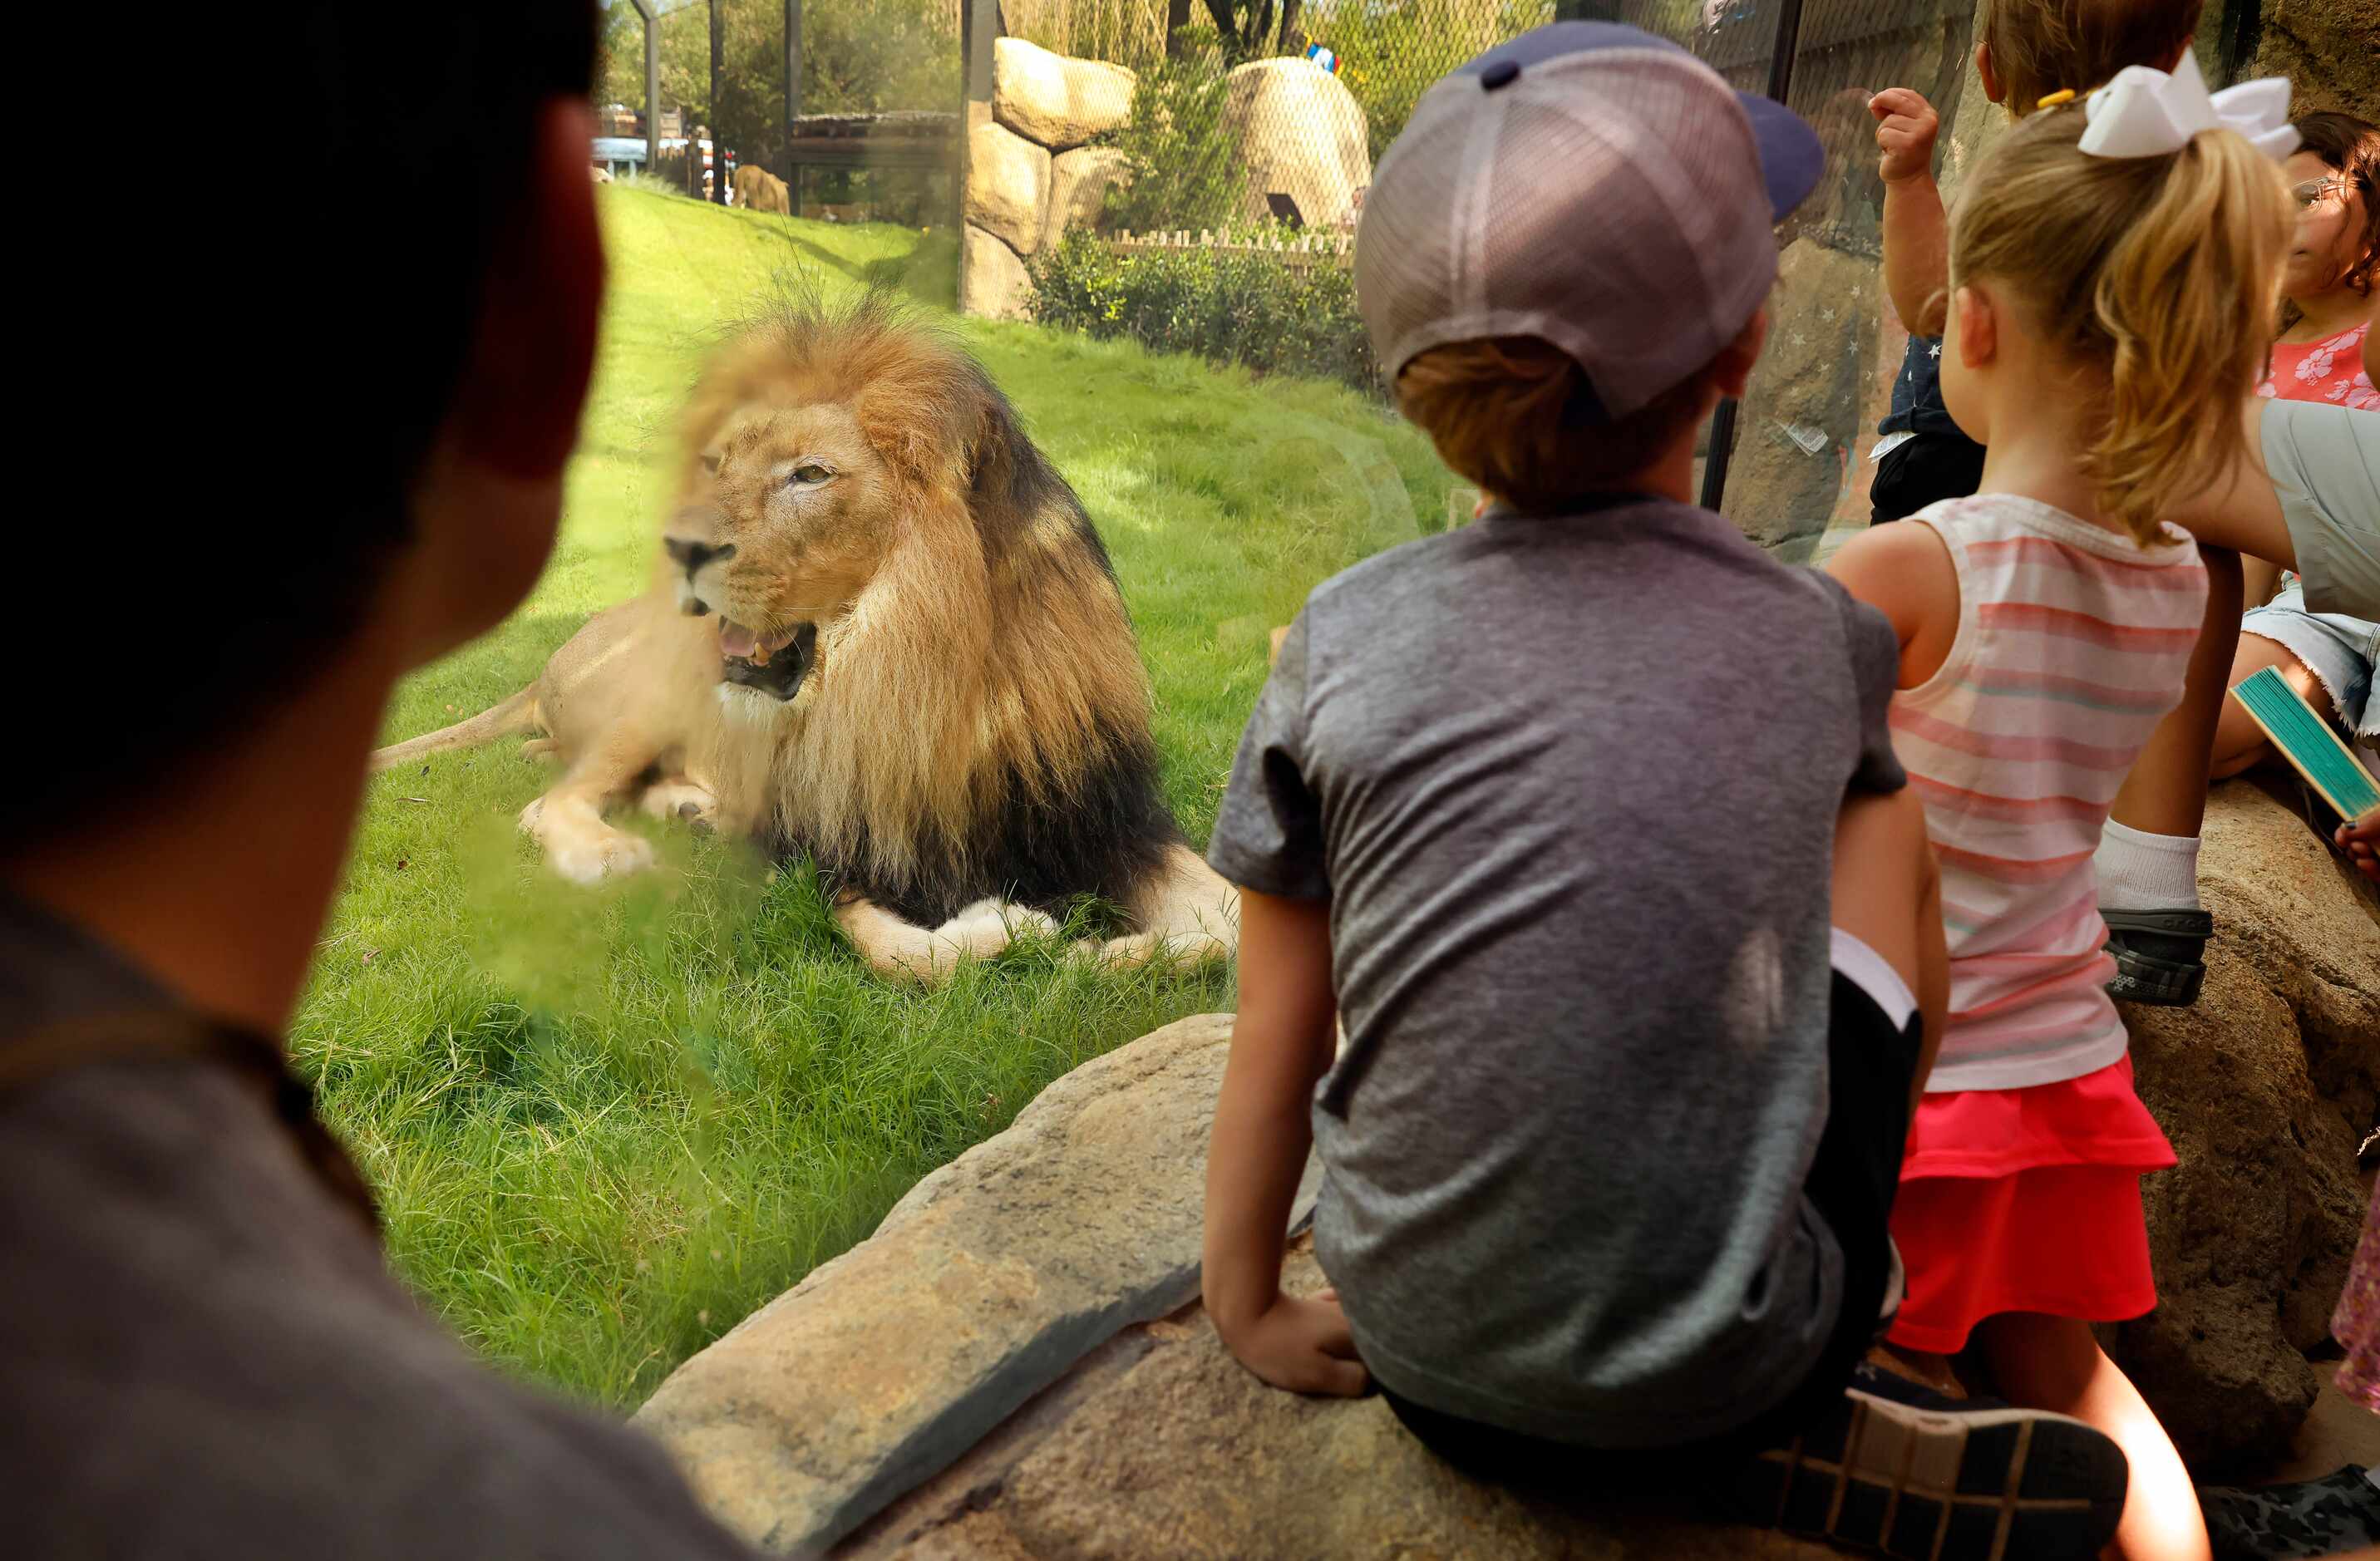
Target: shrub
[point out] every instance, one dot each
(1224, 306)
(1184, 161)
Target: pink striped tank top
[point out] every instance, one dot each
(2071, 643)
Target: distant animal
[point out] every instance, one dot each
(884, 633)
(757, 189)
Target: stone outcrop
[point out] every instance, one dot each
(1301, 134)
(2266, 1087)
(1079, 182)
(982, 1286)
(2328, 49)
(1028, 177)
(1007, 186)
(1015, 1365)
(1055, 101)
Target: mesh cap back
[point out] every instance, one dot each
(1608, 200)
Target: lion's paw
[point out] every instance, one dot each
(592, 858)
(683, 801)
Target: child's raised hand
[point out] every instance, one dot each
(2360, 841)
(1905, 128)
(1302, 1343)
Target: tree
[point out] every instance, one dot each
(1250, 29)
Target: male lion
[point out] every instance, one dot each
(883, 633)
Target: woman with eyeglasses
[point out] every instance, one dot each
(2332, 289)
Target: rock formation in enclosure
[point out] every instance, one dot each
(1014, 1365)
(2328, 49)
(1028, 176)
(1301, 134)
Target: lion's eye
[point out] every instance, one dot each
(711, 462)
(812, 473)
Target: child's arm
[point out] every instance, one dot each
(1280, 1047)
(1916, 232)
(1904, 571)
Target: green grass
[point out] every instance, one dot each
(605, 1125)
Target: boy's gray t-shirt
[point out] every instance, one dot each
(1570, 785)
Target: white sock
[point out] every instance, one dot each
(2139, 871)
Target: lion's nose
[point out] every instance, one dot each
(692, 555)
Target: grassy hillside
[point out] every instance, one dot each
(605, 1125)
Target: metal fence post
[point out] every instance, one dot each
(652, 86)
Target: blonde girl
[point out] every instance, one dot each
(2108, 315)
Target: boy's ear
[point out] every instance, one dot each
(1992, 91)
(525, 383)
(1731, 369)
(1975, 327)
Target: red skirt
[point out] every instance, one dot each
(2025, 1200)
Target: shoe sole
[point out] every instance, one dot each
(1922, 1485)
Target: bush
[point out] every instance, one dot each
(1223, 306)
(1184, 161)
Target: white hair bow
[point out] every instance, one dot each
(2145, 113)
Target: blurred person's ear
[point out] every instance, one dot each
(1992, 91)
(1731, 369)
(488, 498)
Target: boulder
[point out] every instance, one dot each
(993, 281)
(1161, 1444)
(1302, 134)
(986, 1283)
(1007, 184)
(1799, 435)
(2328, 49)
(1057, 102)
(2266, 1085)
(1079, 182)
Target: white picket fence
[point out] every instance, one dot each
(1301, 249)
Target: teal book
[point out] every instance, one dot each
(2308, 743)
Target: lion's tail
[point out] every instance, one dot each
(516, 715)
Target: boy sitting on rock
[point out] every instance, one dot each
(1544, 811)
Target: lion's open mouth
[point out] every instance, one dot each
(773, 664)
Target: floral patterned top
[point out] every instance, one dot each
(2329, 370)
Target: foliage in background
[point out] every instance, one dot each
(1185, 161)
(1389, 51)
(858, 56)
(1225, 307)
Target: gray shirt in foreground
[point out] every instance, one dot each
(2325, 463)
(1570, 786)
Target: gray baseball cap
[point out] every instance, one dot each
(1590, 185)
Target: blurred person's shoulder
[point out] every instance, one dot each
(207, 1352)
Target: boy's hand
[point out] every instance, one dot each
(1302, 1343)
(1905, 127)
(2360, 841)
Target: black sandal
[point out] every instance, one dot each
(2160, 955)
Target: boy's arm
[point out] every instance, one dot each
(1282, 1046)
(1916, 231)
(1904, 571)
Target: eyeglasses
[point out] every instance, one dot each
(2314, 191)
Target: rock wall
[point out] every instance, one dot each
(2328, 49)
(1029, 175)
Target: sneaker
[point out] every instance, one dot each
(2160, 955)
(1904, 1472)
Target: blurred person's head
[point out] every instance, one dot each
(330, 429)
(2033, 49)
(2335, 178)
(1602, 284)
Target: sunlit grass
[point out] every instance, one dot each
(606, 1125)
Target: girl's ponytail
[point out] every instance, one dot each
(2159, 275)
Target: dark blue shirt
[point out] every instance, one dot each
(1917, 393)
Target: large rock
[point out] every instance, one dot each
(1054, 101)
(1302, 134)
(1007, 184)
(757, 189)
(1079, 182)
(1799, 436)
(2266, 1087)
(2328, 49)
(992, 282)
(986, 1283)
(1162, 1446)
